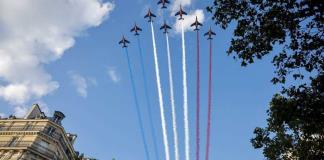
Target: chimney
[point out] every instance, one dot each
(58, 117)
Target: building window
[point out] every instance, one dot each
(44, 144)
(50, 131)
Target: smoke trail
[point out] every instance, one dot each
(147, 99)
(139, 116)
(198, 101)
(174, 119)
(209, 100)
(185, 96)
(157, 71)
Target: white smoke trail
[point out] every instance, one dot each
(157, 71)
(185, 96)
(174, 119)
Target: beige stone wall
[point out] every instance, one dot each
(11, 155)
(28, 139)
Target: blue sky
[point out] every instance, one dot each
(104, 116)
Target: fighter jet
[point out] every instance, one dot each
(163, 2)
(196, 24)
(149, 15)
(136, 29)
(181, 13)
(210, 33)
(124, 42)
(165, 27)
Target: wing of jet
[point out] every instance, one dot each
(163, 2)
(178, 13)
(162, 27)
(165, 26)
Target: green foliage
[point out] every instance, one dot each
(295, 127)
(295, 124)
(296, 26)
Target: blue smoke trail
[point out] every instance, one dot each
(139, 116)
(148, 99)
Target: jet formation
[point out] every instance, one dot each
(165, 27)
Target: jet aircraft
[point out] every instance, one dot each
(180, 13)
(210, 33)
(163, 2)
(165, 27)
(149, 15)
(196, 24)
(124, 42)
(136, 29)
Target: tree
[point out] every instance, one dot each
(295, 128)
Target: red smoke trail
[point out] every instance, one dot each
(209, 99)
(198, 100)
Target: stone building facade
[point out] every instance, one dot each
(36, 137)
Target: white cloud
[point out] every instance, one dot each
(188, 20)
(112, 73)
(2, 115)
(20, 111)
(80, 84)
(175, 6)
(35, 33)
(92, 81)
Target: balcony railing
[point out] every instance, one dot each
(29, 144)
(13, 144)
(42, 129)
